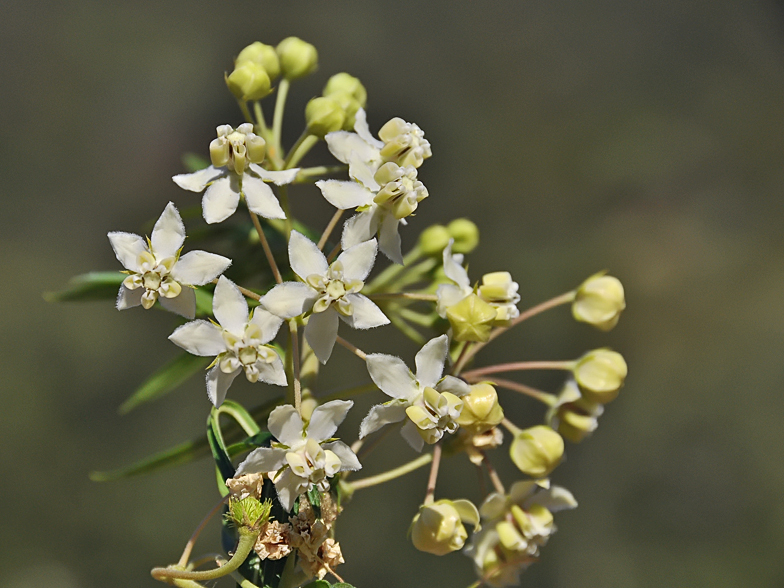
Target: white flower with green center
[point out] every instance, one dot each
(383, 199)
(431, 404)
(306, 455)
(450, 294)
(235, 172)
(157, 272)
(238, 342)
(500, 291)
(329, 292)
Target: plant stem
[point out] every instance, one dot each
(543, 397)
(322, 170)
(277, 119)
(284, 203)
(431, 481)
(266, 247)
(260, 122)
(393, 271)
(519, 366)
(411, 466)
(245, 291)
(245, 111)
(304, 144)
(186, 553)
(499, 487)
(355, 350)
(294, 334)
(334, 253)
(405, 295)
(328, 230)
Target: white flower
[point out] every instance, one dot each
(328, 292)
(238, 342)
(383, 200)
(305, 456)
(431, 403)
(500, 291)
(450, 294)
(234, 154)
(157, 272)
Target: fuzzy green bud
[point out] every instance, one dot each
(599, 301)
(343, 82)
(537, 451)
(249, 512)
(465, 233)
(323, 115)
(438, 527)
(471, 319)
(263, 55)
(297, 58)
(248, 81)
(433, 240)
(600, 374)
(350, 106)
(481, 410)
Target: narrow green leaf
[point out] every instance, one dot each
(236, 411)
(90, 286)
(219, 454)
(165, 379)
(177, 455)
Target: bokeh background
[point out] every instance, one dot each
(644, 138)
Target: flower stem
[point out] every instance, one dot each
(543, 397)
(266, 247)
(245, 111)
(431, 482)
(411, 466)
(322, 170)
(293, 332)
(304, 144)
(405, 295)
(245, 291)
(499, 487)
(277, 119)
(390, 273)
(355, 350)
(186, 553)
(260, 122)
(334, 253)
(284, 203)
(328, 230)
(519, 366)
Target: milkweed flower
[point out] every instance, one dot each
(238, 342)
(305, 456)
(327, 292)
(157, 272)
(431, 404)
(438, 527)
(235, 172)
(450, 294)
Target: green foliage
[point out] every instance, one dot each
(164, 380)
(90, 286)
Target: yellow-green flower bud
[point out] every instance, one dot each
(263, 55)
(471, 319)
(481, 411)
(248, 81)
(343, 82)
(600, 374)
(438, 527)
(537, 451)
(465, 233)
(249, 511)
(599, 301)
(323, 115)
(297, 58)
(433, 240)
(350, 106)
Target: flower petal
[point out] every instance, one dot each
(358, 260)
(380, 415)
(449, 295)
(452, 268)
(321, 333)
(362, 129)
(279, 178)
(127, 248)
(229, 306)
(129, 298)
(342, 144)
(348, 459)
(218, 383)
(199, 338)
(197, 181)
(391, 375)
(362, 168)
(360, 227)
(289, 299)
(345, 195)
(221, 199)
(366, 314)
(554, 499)
(184, 304)
(411, 434)
(454, 385)
(260, 198)
(267, 322)
(306, 259)
(288, 488)
(430, 361)
(197, 268)
(286, 425)
(272, 373)
(168, 234)
(262, 460)
(389, 238)
(325, 419)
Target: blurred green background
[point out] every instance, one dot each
(645, 138)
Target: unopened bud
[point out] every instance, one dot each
(433, 240)
(343, 82)
(574, 416)
(438, 527)
(350, 106)
(465, 233)
(599, 302)
(263, 55)
(481, 411)
(471, 319)
(323, 115)
(248, 81)
(537, 451)
(297, 58)
(600, 374)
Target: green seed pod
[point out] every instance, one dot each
(297, 58)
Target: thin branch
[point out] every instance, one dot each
(519, 366)
(431, 481)
(186, 553)
(266, 247)
(355, 350)
(328, 231)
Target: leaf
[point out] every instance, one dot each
(219, 454)
(90, 286)
(236, 411)
(165, 379)
(203, 302)
(194, 162)
(177, 455)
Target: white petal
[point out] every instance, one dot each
(221, 199)
(362, 129)
(554, 499)
(218, 383)
(288, 487)
(358, 260)
(199, 338)
(321, 333)
(360, 227)
(305, 258)
(325, 419)
(389, 238)
(199, 267)
(229, 306)
(452, 268)
(289, 299)
(345, 195)
(391, 375)
(272, 373)
(449, 295)
(184, 304)
(286, 425)
(168, 234)
(362, 167)
(127, 248)
(411, 434)
(279, 178)
(260, 198)
(454, 385)
(129, 298)
(267, 322)
(348, 459)
(380, 415)
(366, 314)
(342, 144)
(197, 181)
(430, 361)
(262, 460)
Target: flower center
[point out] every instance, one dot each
(333, 289)
(313, 463)
(153, 276)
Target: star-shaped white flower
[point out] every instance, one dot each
(157, 272)
(383, 200)
(450, 294)
(431, 403)
(235, 172)
(237, 342)
(328, 292)
(305, 455)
